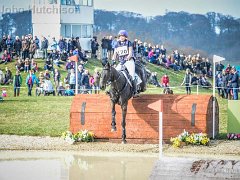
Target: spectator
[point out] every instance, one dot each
(114, 43)
(47, 75)
(25, 48)
(219, 85)
(3, 43)
(57, 77)
(104, 46)
(27, 65)
(205, 83)
(154, 80)
(80, 72)
(17, 81)
(54, 57)
(62, 45)
(6, 57)
(194, 79)
(225, 79)
(77, 44)
(91, 82)
(209, 73)
(54, 44)
(18, 46)
(36, 41)
(163, 50)
(32, 49)
(187, 81)
(48, 65)
(165, 80)
(96, 84)
(235, 83)
(8, 76)
(44, 47)
(19, 65)
(72, 79)
(9, 44)
(64, 55)
(70, 65)
(85, 81)
(34, 66)
(94, 47)
(68, 91)
(70, 46)
(219, 67)
(30, 80)
(228, 69)
(41, 77)
(60, 89)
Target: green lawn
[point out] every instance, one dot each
(49, 116)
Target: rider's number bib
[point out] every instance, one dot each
(122, 51)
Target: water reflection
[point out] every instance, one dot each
(71, 166)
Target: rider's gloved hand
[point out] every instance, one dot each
(113, 62)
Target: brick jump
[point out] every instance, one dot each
(192, 113)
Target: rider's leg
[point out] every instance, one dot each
(130, 65)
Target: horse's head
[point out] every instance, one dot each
(105, 76)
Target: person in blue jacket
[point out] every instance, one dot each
(30, 80)
(235, 83)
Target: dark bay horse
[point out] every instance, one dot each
(120, 92)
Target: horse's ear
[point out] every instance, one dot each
(104, 62)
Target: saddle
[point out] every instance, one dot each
(125, 72)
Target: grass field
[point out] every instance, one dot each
(49, 116)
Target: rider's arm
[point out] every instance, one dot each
(130, 53)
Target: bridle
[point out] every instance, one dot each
(110, 80)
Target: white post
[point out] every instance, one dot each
(160, 131)
(76, 74)
(197, 89)
(215, 59)
(214, 80)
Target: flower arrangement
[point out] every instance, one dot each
(186, 138)
(84, 136)
(233, 136)
(81, 136)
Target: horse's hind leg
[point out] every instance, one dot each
(124, 113)
(113, 117)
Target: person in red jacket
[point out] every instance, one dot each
(165, 80)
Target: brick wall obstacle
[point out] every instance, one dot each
(192, 113)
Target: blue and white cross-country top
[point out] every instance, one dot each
(122, 50)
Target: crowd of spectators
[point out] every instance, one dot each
(227, 81)
(56, 52)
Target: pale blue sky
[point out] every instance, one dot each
(155, 7)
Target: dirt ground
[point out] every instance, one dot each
(217, 148)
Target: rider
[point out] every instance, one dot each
(124, 52)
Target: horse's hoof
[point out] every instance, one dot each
(113, 129)
(124, 142)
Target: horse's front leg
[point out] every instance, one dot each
(113, 117)
(124, 113)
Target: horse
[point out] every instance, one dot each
(120, 92)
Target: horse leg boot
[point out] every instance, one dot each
(113, 124)
(124, 113)
(134, 85)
